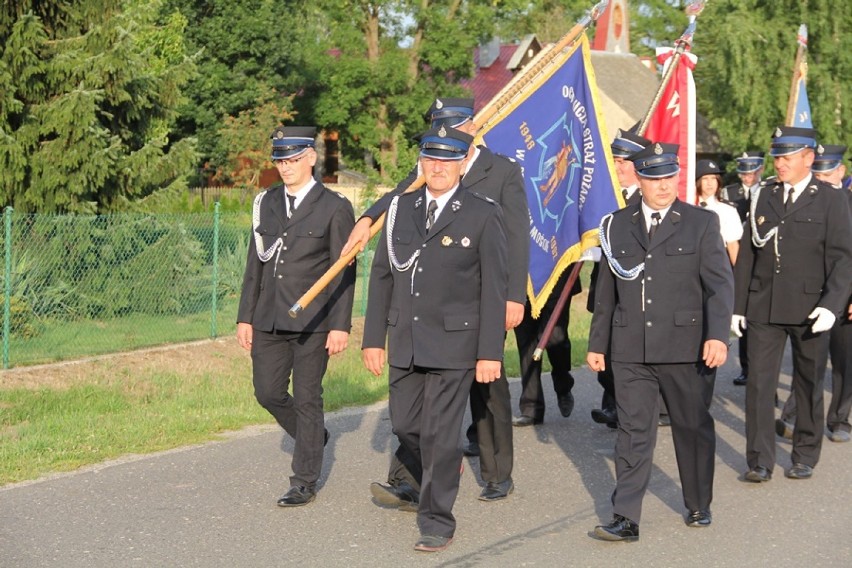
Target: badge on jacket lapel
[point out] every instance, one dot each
(456, 205)
(447, 240)
(418, 202)
(465, 242)
(760, 220)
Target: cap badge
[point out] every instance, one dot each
(760, 220)
(447, 240)
(658, 149)
(820, 150)
(712, 165)
(778, 132)
(465, 242)
(439, 104)
(442, 132)
(279, 134)
(745, 156)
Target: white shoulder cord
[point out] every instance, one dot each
(264, 255)
(756, 239)
(412, 261)
(614, 265)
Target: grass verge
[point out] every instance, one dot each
(60, 418)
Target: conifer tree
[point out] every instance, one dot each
(87, 98)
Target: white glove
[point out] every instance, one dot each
(823, 320)
(738, 324)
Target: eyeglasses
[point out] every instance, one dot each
(291, 161)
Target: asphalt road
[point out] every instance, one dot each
(214, 504)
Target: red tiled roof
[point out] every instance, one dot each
(487, 82)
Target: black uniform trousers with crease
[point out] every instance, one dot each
(275, 356)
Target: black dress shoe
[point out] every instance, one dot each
(523, 420)
(664, 420)
(741, 380)
(400, 495)
(433, 543)
(758, 474)
(784, 429)
(620, 528)
(701, 518)
(325, 440)
(607, 416)
(565, 403)
(496, 490)
(297, 496)
(471, 449)
(799, 471)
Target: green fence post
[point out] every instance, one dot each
(215, 269)
(7, 286)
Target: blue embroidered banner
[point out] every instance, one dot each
(557, 136)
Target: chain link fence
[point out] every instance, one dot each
(78, 286)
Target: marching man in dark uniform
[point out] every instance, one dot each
(793, 276)
(662, 306)
(828, 167)
(749, 170)
(298, 230)
(624, 145)
(438, 295)
(490, 434)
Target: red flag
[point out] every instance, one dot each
(674, 119)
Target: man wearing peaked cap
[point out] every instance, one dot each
(292, 141)
(452, 112)
(437, 297)
(627, 143)
(749, 170)
(624, 145)
(490, 435)
(828, 167)
(828, 164)
(661, 312)
(792, 280)
(298, 231)
(788, 140)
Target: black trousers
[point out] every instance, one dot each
(840, 354)
(426, 410)
(766, 344)
(558, 347)
(491, 413)
(274, 357)
(743, 352)
(687, 389)
(840, 350)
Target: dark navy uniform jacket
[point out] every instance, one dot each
(499, 179)
(684, 297)
(454, 312)
(312, 240)
(813, 267)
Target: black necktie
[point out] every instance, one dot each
(655, 223)
(430, 214)
(291, 205)
(789, 202)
